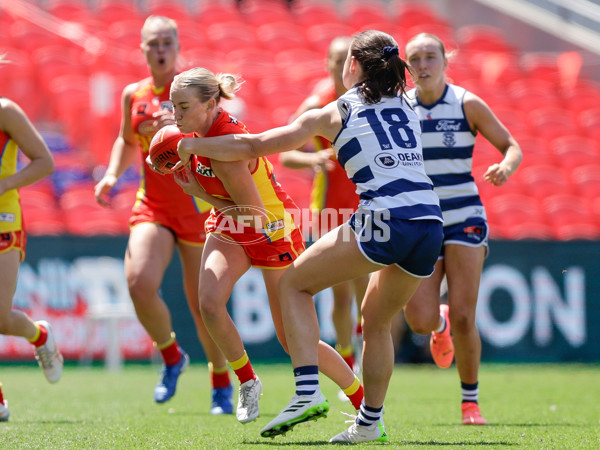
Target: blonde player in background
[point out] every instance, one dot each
(163, 217)
(17, 132)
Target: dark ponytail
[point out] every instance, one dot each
(384, 70)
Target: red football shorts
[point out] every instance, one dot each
(263, 254)
(187, 227)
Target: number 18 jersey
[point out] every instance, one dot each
(379, 146)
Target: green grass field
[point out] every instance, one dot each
(527, 406)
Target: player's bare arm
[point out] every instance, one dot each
(239, 147)
(15, 123)
(482, 119)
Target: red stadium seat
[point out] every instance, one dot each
(586, 180)
(528, 230)
(78, 195)
(583, 96)
(408, 13)
(508, 209)
(204, 56)
(261, 12)
(109, 11)
(535, 149)
(542, 180)
(589, 120)
(359, 13)
(30, 37)
(442, 30)
(18, 81)
(280, 36)
(308, 13)
(126, 32)
(565, 208)
(211, 12)
(574, 150)
(561, 69)
(71, 103)
(229, 35)
(550, 122)
(577, 230)
(478, 38)
(528, 94)
(301, 66)
(174, 9)
(320, 35)
(41, 221)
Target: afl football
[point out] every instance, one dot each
(163, 148)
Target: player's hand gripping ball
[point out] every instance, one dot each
(163, 148)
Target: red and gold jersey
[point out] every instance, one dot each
(10, 207)
(279, 206)
(157, 191)
(332, 188)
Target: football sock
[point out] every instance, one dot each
(470, 392)
(41, 335)
(368, 415)
(243, 369)
(348, 354)
(169, 350)
(355, 393)
(307, 379)
(219, 378)
(358, 330)
(1, 394)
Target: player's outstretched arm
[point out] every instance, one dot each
(239, 147)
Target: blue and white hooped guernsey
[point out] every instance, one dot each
(448, 152)
(380, 149)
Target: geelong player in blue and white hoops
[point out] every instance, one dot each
(451, 117)
(395, 234)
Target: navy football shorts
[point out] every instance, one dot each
(412, 245)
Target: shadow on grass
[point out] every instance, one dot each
(506, 424)
(276, 443)
(455, 444)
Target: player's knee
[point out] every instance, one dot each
(141, 288)
(210, 307)
(462, 320)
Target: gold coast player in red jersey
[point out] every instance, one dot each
(333, 195)
(163, 217)
(17, 132)
(252, 224)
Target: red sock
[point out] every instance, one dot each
(357, 397)
(350, 360)
(220, 378)
(171, 354)
(42, 338)
(1, 395)
(245, 373)
(358, 330)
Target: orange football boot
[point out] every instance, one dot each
(471, 414)
(440, 344)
